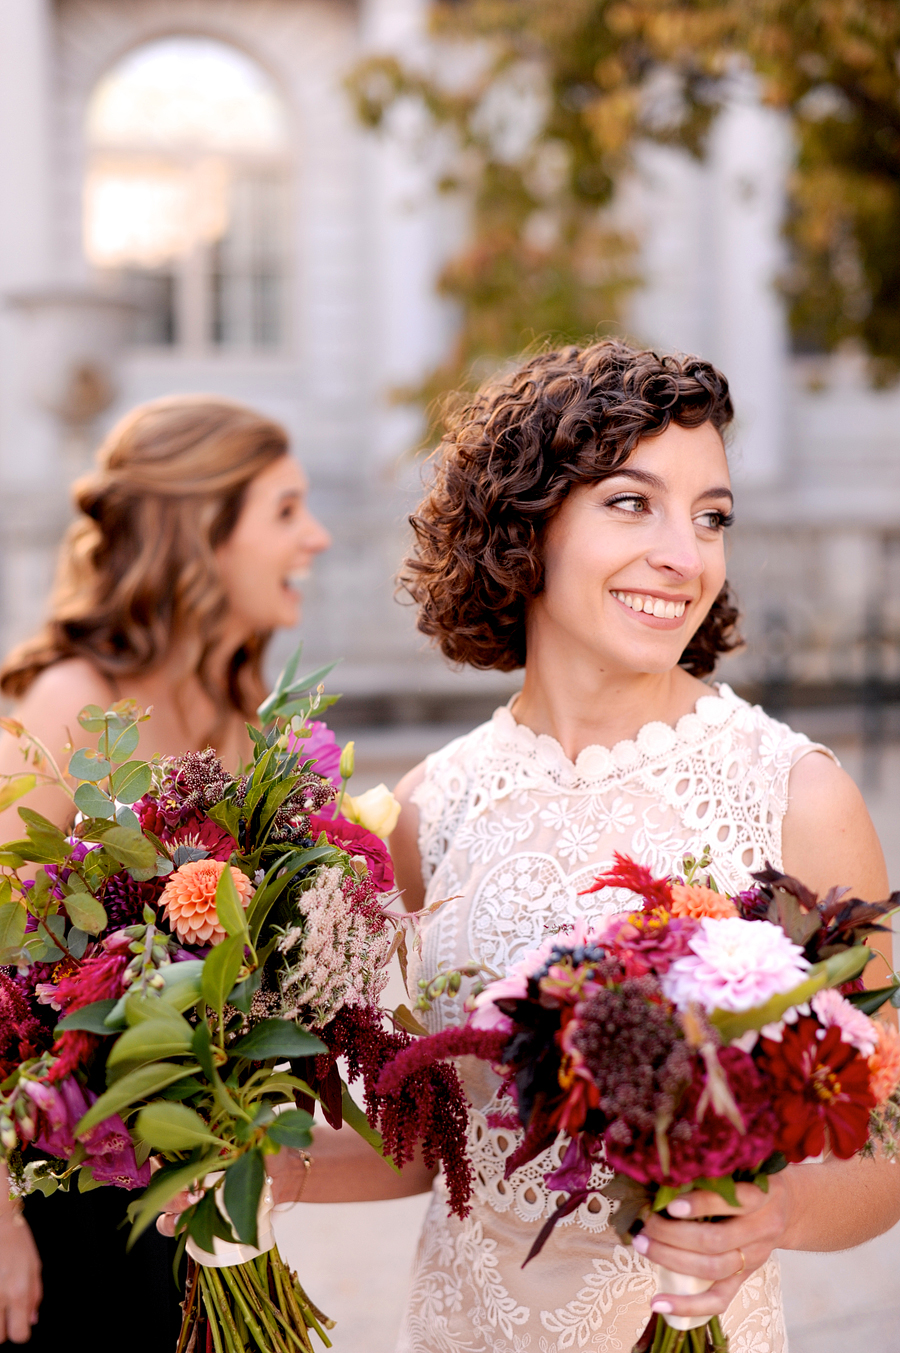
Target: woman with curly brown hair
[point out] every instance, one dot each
(575, 527)
(192, 536)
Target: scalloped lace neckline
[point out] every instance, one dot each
(653, 739)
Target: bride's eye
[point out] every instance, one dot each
(628, 502)
(715, 520)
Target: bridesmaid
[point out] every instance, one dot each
(192, 540)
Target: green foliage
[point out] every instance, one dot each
(277, 1038)
(173, 1127)
(833, 972)
(558, 96)
(242, 1188)
(292, 1128)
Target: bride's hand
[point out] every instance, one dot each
(726, 1252)
(20, 1277)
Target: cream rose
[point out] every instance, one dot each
(377, 810)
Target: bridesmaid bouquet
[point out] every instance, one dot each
(182, 973)
(700, 1041)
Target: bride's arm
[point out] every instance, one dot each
(344, 1169)
(828, 839)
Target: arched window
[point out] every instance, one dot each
(186, 194)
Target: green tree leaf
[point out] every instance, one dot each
(131, 781)
(86, 912)
(173, 1127)
(168, 1181)
(292, 1128)
(244, 1181)
(130, 848)
(86, 764)
(12, 931)
(91, 1018)
(220, 970)
(131, 1089)
(229, 910)
(17, 787)
(92, 801)
(276, 1038)
(151, 1041)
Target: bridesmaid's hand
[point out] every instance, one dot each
(20, 1277)
(725, 1251)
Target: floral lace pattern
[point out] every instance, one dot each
(513, 832)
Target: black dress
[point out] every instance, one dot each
(95, 1294)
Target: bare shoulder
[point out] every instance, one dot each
(828, 836)
(66, 687)
(404, 842)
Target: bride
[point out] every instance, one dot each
(576, 527)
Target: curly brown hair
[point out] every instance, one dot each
(508, 460)
(137, 570)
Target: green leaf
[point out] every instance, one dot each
(354, 1117)
(92, 719)
(92, 801)
(16, 789)
(77, 940)
(871, 1001)
(229, 910)
(123, 744)
(292, 1128)
(206, 1223)
(244, 1181)
(275, 882)
(242, 995)
(833, 972)
(226, 815)
(90, 1018)
(182, 983)
(130, 848)
(173, 1127)
(131, 781)
(12, 931)
(276, 1038)
(135, 1086)
(201, 1047)
(220, 970)
(45, 837)
(139, 1009)
(86, 912)
(86, 1181)
(126, 817)
(165, 1184)
(87, 764)
(150, 1041)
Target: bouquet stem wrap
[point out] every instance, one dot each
(682, 1285)
(226, 1253)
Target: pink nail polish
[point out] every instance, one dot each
(661, 1307)
(680, 1207)
(641, 1243)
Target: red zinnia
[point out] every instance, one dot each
(819, 1084)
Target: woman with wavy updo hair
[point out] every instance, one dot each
(191, 539)
(575, 527)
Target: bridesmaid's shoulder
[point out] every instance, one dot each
(65, 688)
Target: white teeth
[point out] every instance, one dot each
(668, 610)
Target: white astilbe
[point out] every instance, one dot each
(334, 956)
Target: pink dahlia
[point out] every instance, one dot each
(831, 1008)
(735, 965)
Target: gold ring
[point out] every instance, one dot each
(743, 1265)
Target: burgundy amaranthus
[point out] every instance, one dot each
(21, 1035)
(414, 1100)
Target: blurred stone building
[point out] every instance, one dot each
(189, 204)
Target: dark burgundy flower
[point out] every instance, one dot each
(353, 838)
(21, 1035)
(195, 829)
(821, 1089)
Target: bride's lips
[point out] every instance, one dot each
(680, 602)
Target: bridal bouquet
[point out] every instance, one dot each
(700, 1041)
(183, 971)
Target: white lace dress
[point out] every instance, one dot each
(513, 831)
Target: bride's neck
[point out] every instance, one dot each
(582, 706)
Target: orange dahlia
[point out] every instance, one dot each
(699, 902)
(884, 1064)
(189, 899)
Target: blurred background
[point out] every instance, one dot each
(336, 209)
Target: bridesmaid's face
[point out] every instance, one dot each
(633, 563)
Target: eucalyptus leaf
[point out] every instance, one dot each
(92, 719)
(128, 818)
(86, 764)
(92, 801)
(129, 848)
(86, 912)
(77, 941)
(131, 781)
(124, 743)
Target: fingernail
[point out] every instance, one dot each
(661, 1307)
(641, 1243)
(680, 1207)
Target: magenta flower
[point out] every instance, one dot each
(108, 1147)
(353, 838)
(322, 746)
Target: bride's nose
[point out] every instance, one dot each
(677, 550)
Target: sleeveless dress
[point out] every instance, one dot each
(512, 831)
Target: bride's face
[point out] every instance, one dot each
(633, 563)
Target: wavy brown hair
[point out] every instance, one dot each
(508, 460)
(137, 572)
